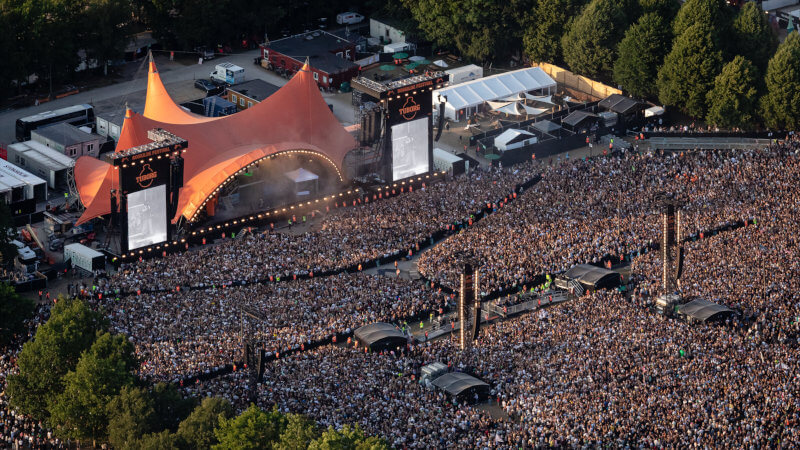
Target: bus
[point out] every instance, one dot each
(78, 115)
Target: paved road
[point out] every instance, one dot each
(178, 79)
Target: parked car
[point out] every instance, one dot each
(207, 86)
(204, 52)
(349, 18)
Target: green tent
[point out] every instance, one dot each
(400, 55)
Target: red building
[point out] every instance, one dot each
(330, 57)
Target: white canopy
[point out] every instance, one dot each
(540, 98)
(497, 105)
(515, 108)
(501, 86)
(300, 175)
(531, 110)
(653, 111)
(440, 63)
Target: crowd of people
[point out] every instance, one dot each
(586, 209)
(18, 430)
(180, 334)
(751, 269)
(602, 370)
(345, 237)
(598, 371)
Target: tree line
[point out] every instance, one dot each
(78, 378)
(707, 59)
(714, 62)
(45, 37)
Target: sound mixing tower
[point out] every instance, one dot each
(671, 251)
(469, 304)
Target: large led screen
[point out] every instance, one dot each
(410, 148)
(147, 217)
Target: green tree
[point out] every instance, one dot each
(733, 101)
(54, 350)
(198, 429)
(107, 30)
(549, 20)
(14, 311)
(689, 70)
(641, 53)
(348, 438)
(81, 410)
(130, 416)
(753, 36)
(163, 440)
(252, 429)
(7, 233)
(170, 406)
(590, 45)
(781, 105)
(480, 29)
(666, 9)
(712, 13)
(298, 434)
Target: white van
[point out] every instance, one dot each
(349, 18)
(26, 255)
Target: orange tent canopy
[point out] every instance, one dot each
(294, 119)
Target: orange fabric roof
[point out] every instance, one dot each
(159, 105)
(94, 179)
(296, 118)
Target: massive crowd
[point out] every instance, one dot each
(346, 237)
(599, 371)
(752, 269)
(181, 334)
(602, 370)
(585, 210)
(18, 430)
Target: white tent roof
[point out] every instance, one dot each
(509, 135)
(476, 92)
(300, 175)
(440, 63)
(653, 111)
(445, 155)
(464, 69)
(9, 172)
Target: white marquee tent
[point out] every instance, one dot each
(464, 99)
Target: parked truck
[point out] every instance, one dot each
(227, 73)
(84, 257)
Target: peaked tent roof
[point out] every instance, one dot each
(298, 120)
(159, 105)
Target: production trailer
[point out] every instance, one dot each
(227, 73)
(84, 257)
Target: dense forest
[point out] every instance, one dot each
(712, 61)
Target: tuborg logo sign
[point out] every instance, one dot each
(146, 176)
(409, 109)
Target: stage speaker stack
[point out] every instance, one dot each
(441, 122)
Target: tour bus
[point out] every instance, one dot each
(78, 115)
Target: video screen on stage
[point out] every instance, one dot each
(410, 148)
(147, 217)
